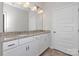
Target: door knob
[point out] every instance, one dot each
(54, 31)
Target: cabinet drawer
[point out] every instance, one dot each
(10, 44)
(25, 40)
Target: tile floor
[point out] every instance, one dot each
(53, 52)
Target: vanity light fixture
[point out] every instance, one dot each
(26, 5)
(31, 6)
(40, 11)
(19, 3)
(34, 8)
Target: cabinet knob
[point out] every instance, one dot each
(26, 48)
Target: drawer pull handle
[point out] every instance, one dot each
(28, 47)
(11, 45)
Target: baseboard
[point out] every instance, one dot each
(64, 52)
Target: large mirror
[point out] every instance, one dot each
(18, 19)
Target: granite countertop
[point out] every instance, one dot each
(9, 36)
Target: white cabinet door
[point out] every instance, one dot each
(43, 42)
(18, 51)
(65, 27)
(34, 48)
(39, 45)
(47, 39)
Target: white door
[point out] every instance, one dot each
(65, 29)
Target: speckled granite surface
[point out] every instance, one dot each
(9, 36)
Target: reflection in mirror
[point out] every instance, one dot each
(17, 18)
(4, 21)
(35, 21)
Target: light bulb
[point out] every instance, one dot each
(27, 4)
(40, 11)
(34, 8)
(19, 3)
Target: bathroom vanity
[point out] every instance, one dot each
(31, 43)
(22, 32)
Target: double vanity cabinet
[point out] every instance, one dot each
(27, 46)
